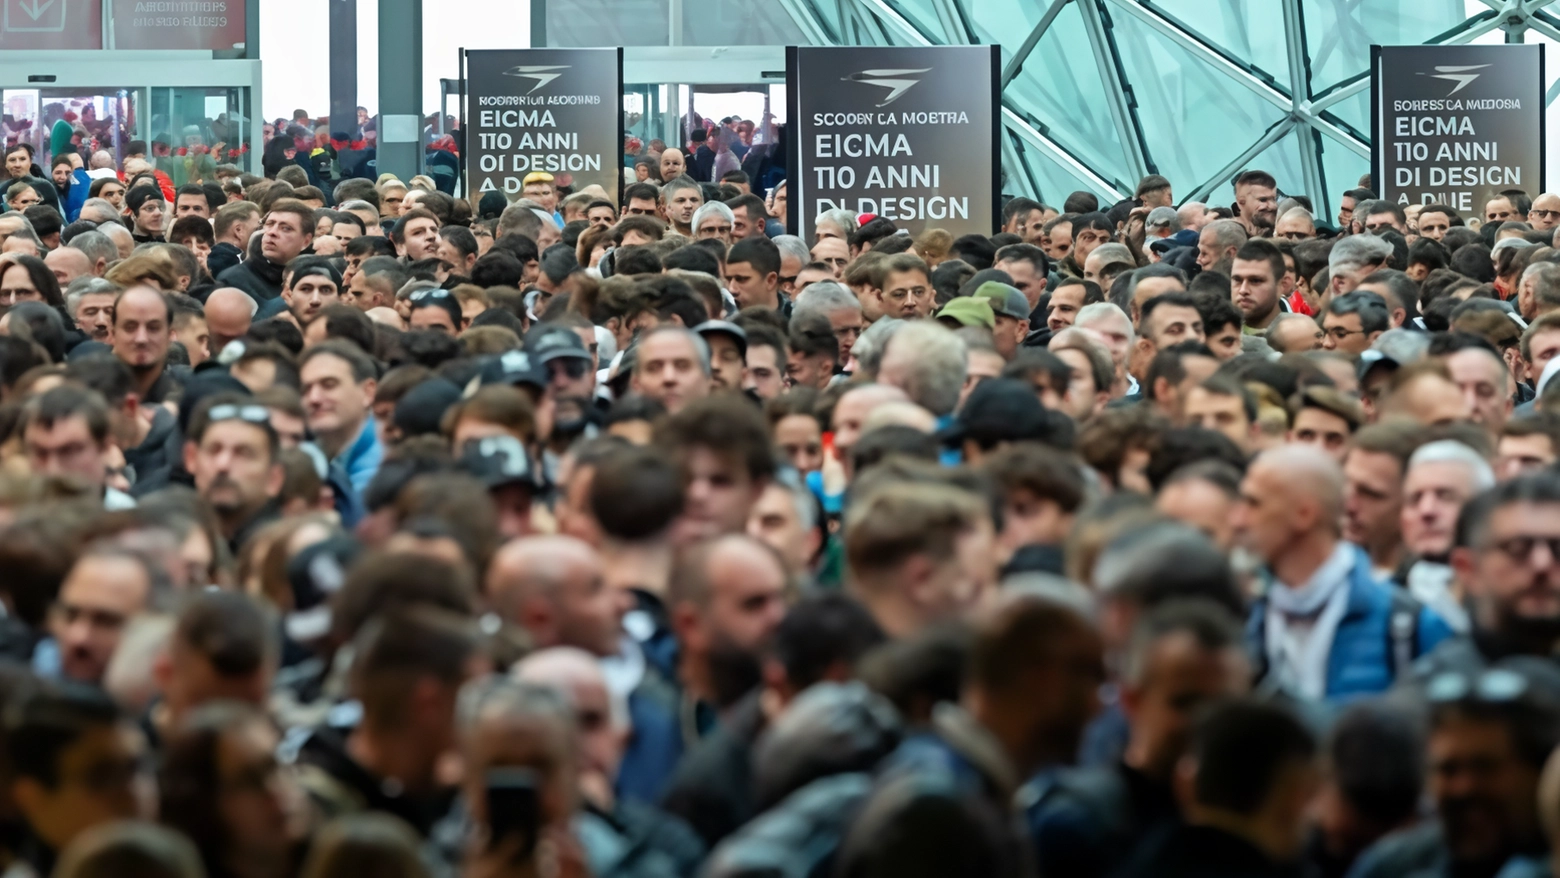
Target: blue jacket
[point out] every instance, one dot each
(361, 459)
(1364, 658)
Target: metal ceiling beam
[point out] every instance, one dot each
(893, 21)
(1280, 129)
(1300, 91)
(1016, 63)
(1118, 93)
(801, 12)
(1020, 126)
(1214, 59)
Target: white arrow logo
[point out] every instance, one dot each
(1459, 75)
(34, 9)
(893, 80)
(542, 75)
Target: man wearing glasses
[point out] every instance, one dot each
(1545, 213)
(232, 453)
(1353, 321)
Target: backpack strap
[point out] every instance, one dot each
(1403, 632)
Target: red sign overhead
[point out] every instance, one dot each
(51, 24)
(179, 24)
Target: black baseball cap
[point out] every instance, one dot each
(142, 194)
(712, 327)
(513, 367)
(548, 343)
(499, 461)
(421, 410)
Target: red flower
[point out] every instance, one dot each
(183, 151)
(232, 153)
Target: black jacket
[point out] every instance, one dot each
(712, 790)
(160, 451)
(260, 278)
(338, 785)
(1201, 852)
(221, 258)
(1086, 821)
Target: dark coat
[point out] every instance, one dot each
(1201, 852)
(259, 277)
(712, 790)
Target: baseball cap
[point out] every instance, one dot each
(1006, 410)
(421, 410)
(314, 576)
(969, 311)
(548, 343)
(1005, 299)
(711, 327)
(512, 367)
(1370, 359)
(498, 461)
(538, 177)
(1159, 217)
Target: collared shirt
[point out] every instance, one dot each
(362, 458)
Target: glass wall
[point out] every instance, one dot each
(195, 129)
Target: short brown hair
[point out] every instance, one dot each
(1047, 473)
(1330, 400)
(303, 212)
(502, 404)
(1398, 437)
(395, 650)
(896, 521)
(726, 423)
(1106, 438)
(934, 244)
(233, 212)
(1542, 323)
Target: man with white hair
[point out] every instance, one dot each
(1354, 257)
(837, 223)
(1320, 628)
(793, 255)
(1296, 224)
(928, 362)
(713, 220)
(1441, 476)
(1193, 215)
(1113, 328)
(836, 304)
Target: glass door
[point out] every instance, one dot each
(195, 129)
(90, 118)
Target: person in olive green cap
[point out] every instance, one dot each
(968, 311)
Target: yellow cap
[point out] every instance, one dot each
(538, 177)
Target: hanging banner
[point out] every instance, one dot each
(906, 133)
(1457, 125)
(552, 110)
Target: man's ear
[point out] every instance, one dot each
(273, 479)
(189, 459)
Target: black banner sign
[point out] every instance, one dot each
(552, 110)
(906, 133)
(1457, 125)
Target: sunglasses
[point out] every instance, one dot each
(420, 295)
(1493, 686)
(571, 366)
(254, 414)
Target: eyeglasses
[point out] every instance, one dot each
(1544, 214)
(1520, 548)
(1493, 686)
(1339, 333)
(254, 414)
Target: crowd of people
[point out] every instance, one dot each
(364, 530)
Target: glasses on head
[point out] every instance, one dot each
(254, 414)
(1493, 686)
(421, 295)
(1520, 548)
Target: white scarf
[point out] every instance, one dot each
(1301, 622)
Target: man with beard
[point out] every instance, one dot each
(1509, 575)
(143, 329)
(1258, 285)
(1184, 655)
(1256, 202)
(680, 198)
(1439, 479)
(232, 453)
(1490, 734)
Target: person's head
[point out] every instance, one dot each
(1502, 554)
(673, 164)
(1490, 734)
(65, 432)
(1042, 489)
(223, 648)
(369, 843)
(1034, 671)
(130, 847)
(928, 362)
(1256, 199)
(220, 783)
(338, 390)
(288, 230)
(753, 272)
(516, 725)
(312, 285)
(75, 761)
(726, 600)
(1292, 495)
(105, 590)
(1353, 321)
(722, 445)
(409, 664)
(1325, 418)
(1251, 770)
(1071, 295)
(232, 452)
(553, 587)
(1257, 280)
(1483, 379)
(1440, 477)
(1221, 404)
(1217, 244)
(918, 553)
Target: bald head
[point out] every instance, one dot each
(553, 587)
(902, 413)
(1309, 471)
(561, 667)
(68, 263)
(387, 316)
(228, 314)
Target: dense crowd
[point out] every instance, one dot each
(352, 528)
